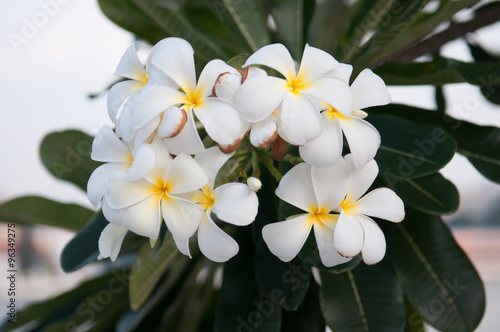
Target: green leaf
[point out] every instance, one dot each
(245, 20)
(66, 154)
(410, 150)
(308, 317)
(150, 266)
(368, 298)
(83, 248)
(489, 90)
(414, 322)
(34, 210)
(432, 194)
(329, 22)
(437, 277)
(238, 61)
(241, 305)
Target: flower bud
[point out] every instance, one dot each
(254, 183)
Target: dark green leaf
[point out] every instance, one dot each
(66, 154)
(438, 278)
(33, 210)
(432, 194)
(83, 248)
(414, 322)
(241, 306)
(238, 61)
(308, 317)
(368, 298)
(410, 150)
(489, 90)
(330, 20)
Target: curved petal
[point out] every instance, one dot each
(296, 188)
(274, 56)
(326, 150)
(182, 245)
(331, 184)
(144, 162)
(98, 181)
(285, 238)
(212, 160)
(363, 139)
(214, 243)
(221, 120)
(235, 203)
(343, 72)
(130, 66)
(110, 241)
(324, 239)
(300, 119)
(184, 174)
(181, 216)
(226, 86)
(156, 77)
(374, 247)
(107, 147)
(175, 57)
(348, 236)
(259, 97)
(368, 89)
(381, 203)
(114, 216)
(172, 122)
(144, 218)
(332, 91)
(362, 178)
(264, 133)
(121, 193)
(187, 141)
(124, 127)
(118, 94)
(315, 62)
(210, 74)
(143, 134)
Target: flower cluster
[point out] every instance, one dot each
(157, 167)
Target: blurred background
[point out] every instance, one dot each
(48, 71)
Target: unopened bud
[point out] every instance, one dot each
(254, 183)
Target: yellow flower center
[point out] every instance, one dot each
(348, 205)
(333, 112)
(295, 85)
(318, 214)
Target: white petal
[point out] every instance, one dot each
(382, 203)
(326, 150)
(184, 174)
(118, 94)
(181, 216)
(332, 91)
(274, 56)
(121, 193)
(158, 77)
(143, 134)
(182, 245)
(130, 66)
(259, 97)
(368, 89)
(315, 62)
(111, 240)
(331, 184)
(114, 216)
(324, 239)
(235, 203)
(107, 147)
(211, 160)
(209, 75)
(214, 243)
(300, 119)
(124, 126)
(374, 247)
(226, 86)
(348, 236)
(263, 133)
(187, 141)
(362, 137)
(175, 57)
(285, 238)
(296, 188)
(221, 120)
(362, 178)
(144, 218)
(144, 161)
(98, 181)
(343, 72)
(172, 123)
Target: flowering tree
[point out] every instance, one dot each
(257, 177)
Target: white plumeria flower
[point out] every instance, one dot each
(110, 241)
(318, 192)
(363, 139)
(140, 206)
(178, 106)
(118, 156)
(234, 203)
(355, 231)
(296, 94)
